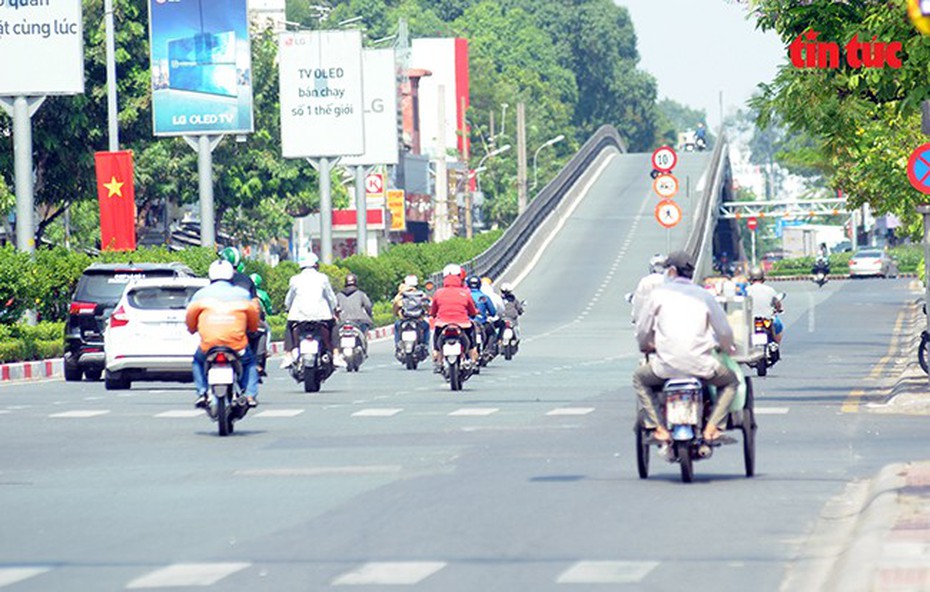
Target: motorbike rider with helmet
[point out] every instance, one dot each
(822, 264)
(655, 278)
(240, 279)
(309, 298)
(512, 307)
(486, 309)
(411, 303)
(453, 304)
(355, 308)
(261, 346)
(222, 315)
(681, 327)
(765, 301)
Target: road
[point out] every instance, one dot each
(526, 480)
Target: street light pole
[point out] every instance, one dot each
(494, 152)
(554, 140)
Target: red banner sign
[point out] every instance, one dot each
(117, 197)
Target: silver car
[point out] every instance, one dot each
(872, 262)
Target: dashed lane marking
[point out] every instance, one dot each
(187, 574)
(474, 412)
(80, 414)
(376, 412)
(607, 572)
(12, 575)
(571, 411)
(182, 413)
(770, 410)
(389, 573)
(280, 413)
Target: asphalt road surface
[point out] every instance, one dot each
(526, 480)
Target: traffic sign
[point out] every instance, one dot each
(664, 159)
(374, 185)
(665, 186)
(752, 223)
(918, 169)
(668, 213)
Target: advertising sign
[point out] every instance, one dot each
(395, 205)
(201, 67)
(321, 93)
(374, 186)
(380, 95)
(42, 44)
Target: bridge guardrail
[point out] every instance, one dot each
(702, 230)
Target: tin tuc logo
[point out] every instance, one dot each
(806, 52)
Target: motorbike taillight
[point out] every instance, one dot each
(220, 359)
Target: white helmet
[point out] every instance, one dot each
(507, 287)
(411, 281)
(220, 270)
(311, 260)
(451, 269)
(658, 263)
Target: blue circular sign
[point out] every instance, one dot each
(918, 169)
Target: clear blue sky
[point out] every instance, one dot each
(697, 48)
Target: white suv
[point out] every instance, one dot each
(146, 337)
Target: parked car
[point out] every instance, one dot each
(98, 290)
(146, 337)
(872, 262)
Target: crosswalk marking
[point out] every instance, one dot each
(187, 574)
(390, 573)
(182, 413)
(770, 410)
(280, 413)
(377, 412)
(12, 575)
(474, 411)
(80, 414)
(607, 572)
(571, 411)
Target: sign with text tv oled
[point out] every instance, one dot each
(201, 67)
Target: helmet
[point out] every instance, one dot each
(657, 263)
(451, 269)
(473, 282)
(311, 260)
(232, 255)
(411, 281)
(351, 280)
(256, 279)
(756, 275)
(506, 287)
(486, 281)
(220, 270)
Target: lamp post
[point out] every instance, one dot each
(554, 140)
(494, 152)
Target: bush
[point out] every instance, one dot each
(13, 351)
(382, 313)
(909, 257)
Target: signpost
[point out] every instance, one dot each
(752, 224)
(665, 186)
(664, 159)
(668, 213)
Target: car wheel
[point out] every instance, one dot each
(115, 381)
(93, 374)
(73, 372)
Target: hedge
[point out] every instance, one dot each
(908, 257)
(22, 342)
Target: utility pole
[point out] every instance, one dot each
(441, 208)
(521, 158)
(469, 231)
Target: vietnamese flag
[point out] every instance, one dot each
(117, 200)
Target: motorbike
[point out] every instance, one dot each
(488, 346)
(688, 405)
(312, 364)
(410, 351)
(510, 340)
(820, 272)
(763, 339)
(700, 144)
(226, 405)
(456, 368)
(351, 346)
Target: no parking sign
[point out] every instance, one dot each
(918, 169)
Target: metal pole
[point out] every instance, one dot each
(205, 174)
(521, 158)
(22, 167)
(361, 212)
(753, 247)
(441, 229)
(469, 222)
(326, 213)
(925, 211)
(111, 77)
(668, 240)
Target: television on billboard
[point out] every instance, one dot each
(201, 67)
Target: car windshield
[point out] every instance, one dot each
(161, 297)
(108, 286)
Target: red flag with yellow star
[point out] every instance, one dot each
(117, 200)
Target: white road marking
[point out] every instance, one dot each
(81, 414)
(376, 412)
(474, 411)
(607, 572)
(389, 573)
(280, 413)
(3, 411)
(11, 575)
(320, 471)
(182, 413)
(571, 411)
(187, 574)
(812, 313)
(770, 410)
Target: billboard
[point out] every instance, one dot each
(42, 44)
(447, 60)
(380, 94)
(320, 76)
(201, 67)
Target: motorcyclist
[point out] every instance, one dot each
(512, 308)
(222, 315)
(647, 284)
(765, 300)
(682, 326)
(822, 264)
(486, 309)
(411, 303)
(261, 348)
(496, 321)
(700, 136)
(453, 304)
(240, 279)
(309, 297)
(355, 307)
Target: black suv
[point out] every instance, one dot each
(97, 294)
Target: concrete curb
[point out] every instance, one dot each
(832, 276)
(53, 368)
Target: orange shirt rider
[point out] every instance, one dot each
(223, 315)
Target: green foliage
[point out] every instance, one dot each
(17, 290)
(22, 342)
(909, 258)
(382, 313)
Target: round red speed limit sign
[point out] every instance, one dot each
(664, 159)
(752, 223)
(665, 186)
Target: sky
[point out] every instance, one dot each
(698, 48)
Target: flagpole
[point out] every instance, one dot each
(112, 110)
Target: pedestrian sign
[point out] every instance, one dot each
(668, 213)
(665, 186)
(918, 169)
